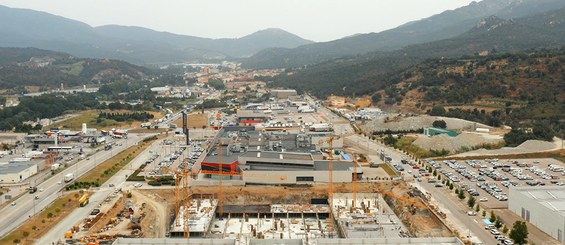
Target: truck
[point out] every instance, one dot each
(83, 201)
(305, 109)
(69, 177)
(322, 127)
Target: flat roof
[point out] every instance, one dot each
(250, 113)
(552, 197)
(17, 167)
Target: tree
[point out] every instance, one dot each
(484, 213)
(461, 195)
(477, 208)
(498, 223)
(437, 111)
(471, 202)
(439, 124)
(519, 232)
(492, 218)
(451, 186)
(505, 229)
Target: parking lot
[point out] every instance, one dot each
(170, 158)
(489, 179)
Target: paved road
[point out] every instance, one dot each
(14, 216)
(457, 213)
(119, 180)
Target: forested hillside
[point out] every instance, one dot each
(47, 69)
(368, 73)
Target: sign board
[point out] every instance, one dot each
(7, 197)
(219, 116)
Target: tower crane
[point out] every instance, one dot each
(330, 158)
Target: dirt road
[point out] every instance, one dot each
(160, 211)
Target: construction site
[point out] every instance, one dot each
(253, 213)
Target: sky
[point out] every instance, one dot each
(317, 20)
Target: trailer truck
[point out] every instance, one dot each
(69, 177)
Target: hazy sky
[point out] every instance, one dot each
(318, 20)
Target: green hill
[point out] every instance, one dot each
(368, 73)
(47, 69)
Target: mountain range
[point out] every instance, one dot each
(448, 24)
(29, 28)
(365, 74)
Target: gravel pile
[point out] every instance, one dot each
(397, 122)
(529, 146)
(453, 144)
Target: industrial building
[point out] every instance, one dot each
(438, 131)
(263, 157)
(283, 93)
(251, 117)
(542, 206)
(16, 172)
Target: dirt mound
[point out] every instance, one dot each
(454, 144)
(398, 122)
(536, 145)
(529, 146)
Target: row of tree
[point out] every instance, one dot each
(122, 117)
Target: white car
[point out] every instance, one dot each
(471, 213)
(13, 204)
(483, 199)
(137, 184)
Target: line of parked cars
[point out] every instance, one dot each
(493, 190)
(499, 237)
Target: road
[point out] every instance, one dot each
(456, 212)
(119, 180)
(14, 216)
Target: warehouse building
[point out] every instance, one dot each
(283, 93)
(17, 172)
(542, 206)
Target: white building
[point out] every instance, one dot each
(543, 206)
(17, 172)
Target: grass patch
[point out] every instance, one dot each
(39, 225)
(406, 143)
(107, 169)
(90, 117)
(558, 155)
(75, 69)
(388, 169)
(148, 131)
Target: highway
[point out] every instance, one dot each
(119, 180)
(26, 206)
